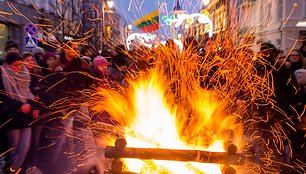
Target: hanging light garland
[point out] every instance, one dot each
(189, 19)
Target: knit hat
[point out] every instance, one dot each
(12, 57)
(11, 44)
(48, 54)
(37, 50)
(98, 61)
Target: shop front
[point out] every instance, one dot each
(3, 38)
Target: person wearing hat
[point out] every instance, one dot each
(11, 46)
(65, 90)
(267, 56)
(100, 67)
(118, 69)
(38, 54)
(101, 72)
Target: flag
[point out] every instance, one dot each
(149, 22)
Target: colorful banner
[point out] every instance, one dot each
(148, 23)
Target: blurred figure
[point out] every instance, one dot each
(210, 45)
(11, 46)
(296, 60)
(268, 55)
(100, 67)
(120, 50)
(35, 73)
(50, 61)
(70, 59)
(38, 54)
(65, 88)
(303, 49)
(88, 52)
(31, 162)
(118, 69)
(101, 72)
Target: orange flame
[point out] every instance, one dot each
(151, 120)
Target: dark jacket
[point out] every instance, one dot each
(303, 52)
(34, 85)
(65, 88)
(78, 72)
(11, 117)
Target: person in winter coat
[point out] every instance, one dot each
(303, 49)
(50, 61)
(35, 73)
(118, 69)
(100, 67)
(88, 52)
(65, 88)
(16, 111)
(102, 80)
(10, 46)
(35, 87)
(38, 54)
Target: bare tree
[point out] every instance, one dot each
(91, 22)
(69, 14)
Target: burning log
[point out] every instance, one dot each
(120, 151)
(229, 170)
(227, 158)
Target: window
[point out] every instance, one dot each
(3, 38)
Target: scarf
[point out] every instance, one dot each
(17, 84)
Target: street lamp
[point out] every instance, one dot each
(129, 29)
(109, 4)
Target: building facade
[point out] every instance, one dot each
(92, 22)
(12, 25)
(53, 19)
(276, 21)
(113, 29)
(57, 21)
(102, 25)
(218, 13)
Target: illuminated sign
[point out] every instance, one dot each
(188, 19)
(68, 38)
(145, 39)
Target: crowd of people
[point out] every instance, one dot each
(44, 121)
(41, 106)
